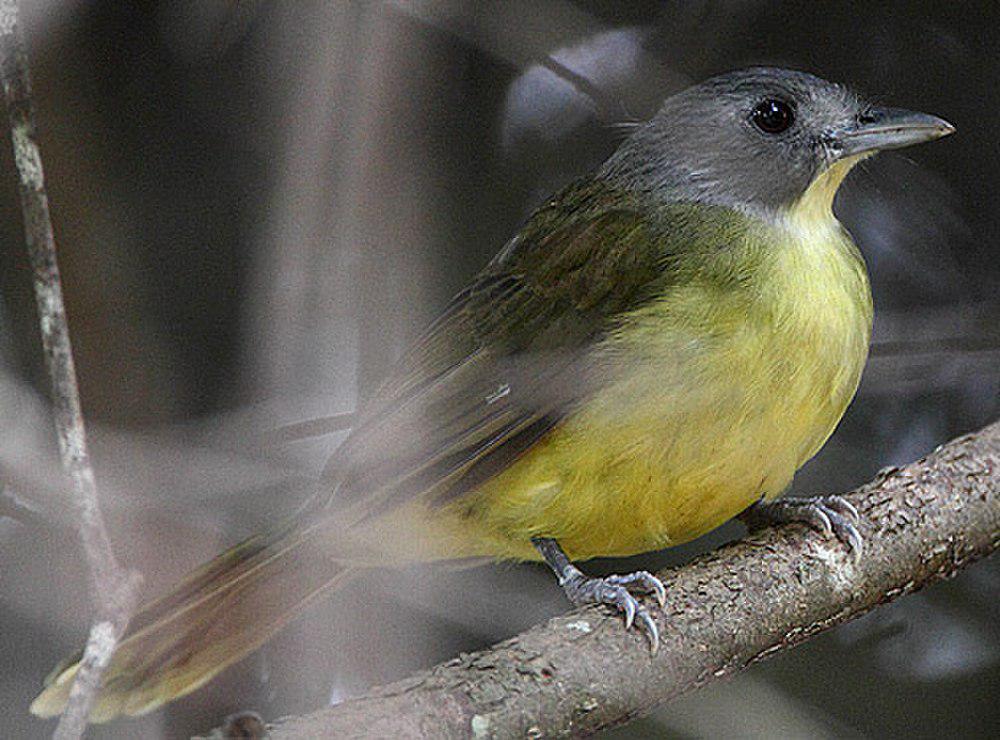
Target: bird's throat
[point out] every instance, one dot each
(814, 210)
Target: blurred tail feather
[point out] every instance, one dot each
(218, 615)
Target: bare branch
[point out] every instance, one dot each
(15, 507)
(114, 589)
(725, 611)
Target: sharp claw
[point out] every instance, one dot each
(854, 542)
(660, 591)
(857, 546)
(847, 533)
(833, 515)
(651, 630)
(645, 579)
(843, 506)
(816, 514)
(613, 591)
(629, 606)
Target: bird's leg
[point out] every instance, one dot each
(828, 514)
(611, 590)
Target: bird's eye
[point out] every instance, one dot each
(867, 116)
(773, 116)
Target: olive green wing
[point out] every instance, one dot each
(502, 366)
(507, 359)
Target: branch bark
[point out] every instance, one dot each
(582, 672)
(114, 589)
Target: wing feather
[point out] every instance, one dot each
(506, 361)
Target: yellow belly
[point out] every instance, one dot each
(719, 403)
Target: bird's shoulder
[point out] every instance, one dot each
(510, 356)
(584, 258)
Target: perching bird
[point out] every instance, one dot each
(659, 349)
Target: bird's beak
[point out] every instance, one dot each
(887, 128)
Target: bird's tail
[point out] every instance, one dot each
(219, 614)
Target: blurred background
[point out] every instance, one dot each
(258, 204)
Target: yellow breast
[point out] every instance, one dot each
(723, 397)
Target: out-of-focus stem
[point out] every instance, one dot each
(114, 589)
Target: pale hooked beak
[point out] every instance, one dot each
(887, 128)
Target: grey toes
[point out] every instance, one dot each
(613, 591)
(816, 516)
(645, 580)
(845, 530)
(831, 515)
(842, 518)
(647, 623)
(626, 604)
(842, 505)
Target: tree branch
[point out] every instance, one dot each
(114, 589)
(15, 507)
(725, 611)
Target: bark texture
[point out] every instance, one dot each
(725, 611)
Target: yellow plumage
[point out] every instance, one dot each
(728, 396)
(662, 345)
(725, 395)
(722, 396)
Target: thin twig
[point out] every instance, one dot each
(725, 611)
(17, 508)
(114, 589)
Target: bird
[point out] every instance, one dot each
(657, 350)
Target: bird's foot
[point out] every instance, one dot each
(828, 514)
(610, 591)
(615, 591)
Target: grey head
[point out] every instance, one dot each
(756, 139)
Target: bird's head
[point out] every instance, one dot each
(763, 139)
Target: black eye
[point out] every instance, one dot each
(773, 116)
(868, 115)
